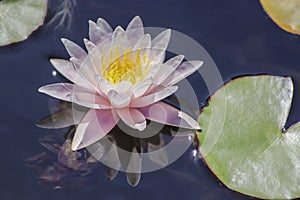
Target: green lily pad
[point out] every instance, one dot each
(253, 154)
(19, 18)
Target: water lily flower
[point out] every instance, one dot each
(122, 76)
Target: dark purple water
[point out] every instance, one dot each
(239, 37)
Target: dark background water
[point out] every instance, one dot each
(238, 35)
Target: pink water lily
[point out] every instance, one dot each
(122, 76)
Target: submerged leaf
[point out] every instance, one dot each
(251, 154)
(19, 18)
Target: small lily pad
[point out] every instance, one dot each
(285, 13)
(253, 154)
(19, 18)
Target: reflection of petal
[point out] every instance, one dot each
(134, 165)
(64, 117)
(157, 154)
(111, 173)
(69, 158)
(50, 143)
(111, 157)
(166, 114)
(95, 125)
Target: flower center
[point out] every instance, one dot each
(130, 66)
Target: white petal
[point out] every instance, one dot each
(118, 32)
(141, 88)
(73, 49)
(90, 46)
(143, 44)
(76, 62)
(154, 97)
(67, 69)
(159, 46)
(183, 71)
(90, 100)
(58, 90)
(119, 41)
(94, 55)
(123, 87)
(103, 84)
(133, 118)
(135, 30)
(102, 23)
(167, 69)
(166, 114)
(94, 126)
(96, 33)
(161, 41)
(85, 70)
(118, 100)
(75, 94)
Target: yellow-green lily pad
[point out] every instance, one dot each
(19, 18)
(285, 13)
(253, 154)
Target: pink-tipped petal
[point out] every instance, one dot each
(154, 97)
(133, 118)
(94, 126)
(166, 114)
(73, 49)
(135, 30)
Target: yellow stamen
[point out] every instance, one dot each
(127, 67)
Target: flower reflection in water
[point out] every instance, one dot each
(61, 167)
